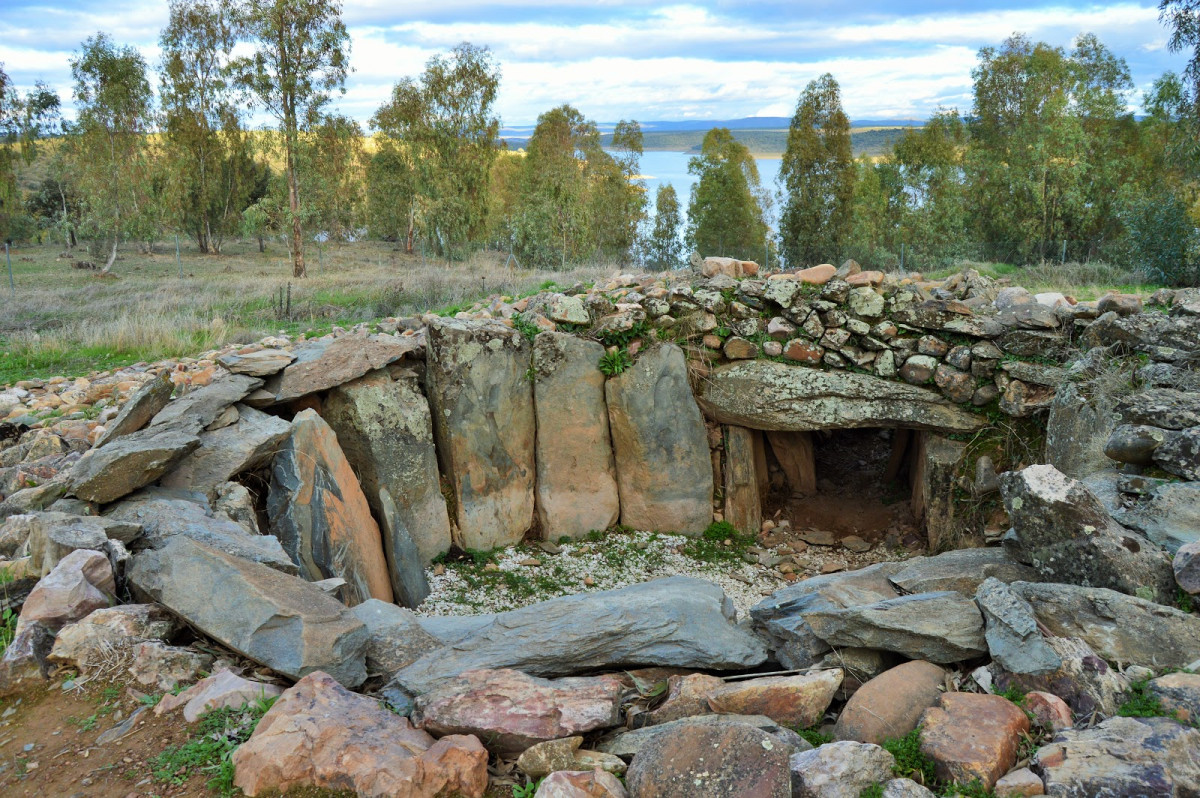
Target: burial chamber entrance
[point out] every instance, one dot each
(835, 484)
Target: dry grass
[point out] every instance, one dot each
(68, 321)
(1084, 281)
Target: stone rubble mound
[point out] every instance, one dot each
(284, 501)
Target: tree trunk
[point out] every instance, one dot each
(112, 256)
(412, 214)
(262, 247)
(298, 269)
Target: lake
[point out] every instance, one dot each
(661, 167)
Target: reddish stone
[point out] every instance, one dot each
(788, 700)
(890, 705)
(803, 351)
(865, 278)
(972, 737)
(581, 784)
(817, 275)
(513, 711)
(1049, 710)
(703, 761)
(319, 734)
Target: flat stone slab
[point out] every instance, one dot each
(280, 621)
(200, 407)
(138, 409)
(129, 462)
(330, 362)
(763, 394)
(678, 621)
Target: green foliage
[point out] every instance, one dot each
(329, 163)
(218, 733)
(665, 250)
(613, 363)
(1184, 600)
(911, 763)
(300, 57)
(574, 200)
(210, 174)
(727, 208)
(525, 327)
(23, 121)
(527, 790)
(814, 736)
(874, 791)
(1142, 703)
(719, 543)
(622, 338)
(816, 177)
(109, 156)
(445, 127)
(1162, 237)
(1014, 694)
(974, 789)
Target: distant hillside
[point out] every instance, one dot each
(865, 141)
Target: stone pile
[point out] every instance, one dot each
(288, 499)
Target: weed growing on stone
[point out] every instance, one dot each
(613, 363)
(524, 326)
(1184, 600)
(1142, 703)
(911, 762)
(874, 791)
(814, 736)
(219, 732)
(526, 790)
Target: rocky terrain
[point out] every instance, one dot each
(252, 543)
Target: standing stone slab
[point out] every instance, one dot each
(678, 621)
(226, 452)
(663, 466)
(743, 502)
(383, 424)
(319, 513)
(278, 620)
(1013, 637)
(139, 408)
(576, 475)
(128, 463)
(483, 421)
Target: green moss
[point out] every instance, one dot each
(911, 762)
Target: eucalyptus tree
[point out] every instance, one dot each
(726, 210)
(445, 123)
(300, 56)
(665, 248)
(110, 150)
(816, 177)
(331, 171)
(210, 173)
(23, 121)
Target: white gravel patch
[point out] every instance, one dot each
(617, 560)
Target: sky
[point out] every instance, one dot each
(627, 59)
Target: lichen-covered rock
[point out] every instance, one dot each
(1166, 408)
(1078, 428)
(483, 421)
(581, 784)
(1120, 757)
(196, 409)
(1179, 454)
(1084, 680)
(1120, 628)
(664, 473)
(319, 513)
(318, 734)
(961, 570)
(1187, 568)
(763, 394)
(1169, 516)
(108, 634)
(1134, 443)
(705, 761)
(1068, 536)
(576, 472)
(841, 769)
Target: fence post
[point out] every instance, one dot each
(8, 257)
(902, 257)
(178, 262)
(1063, 259)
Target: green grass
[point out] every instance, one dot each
(911, 762)
(218, 733)
(1142, 703)
(711, 546)
(814, 736)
